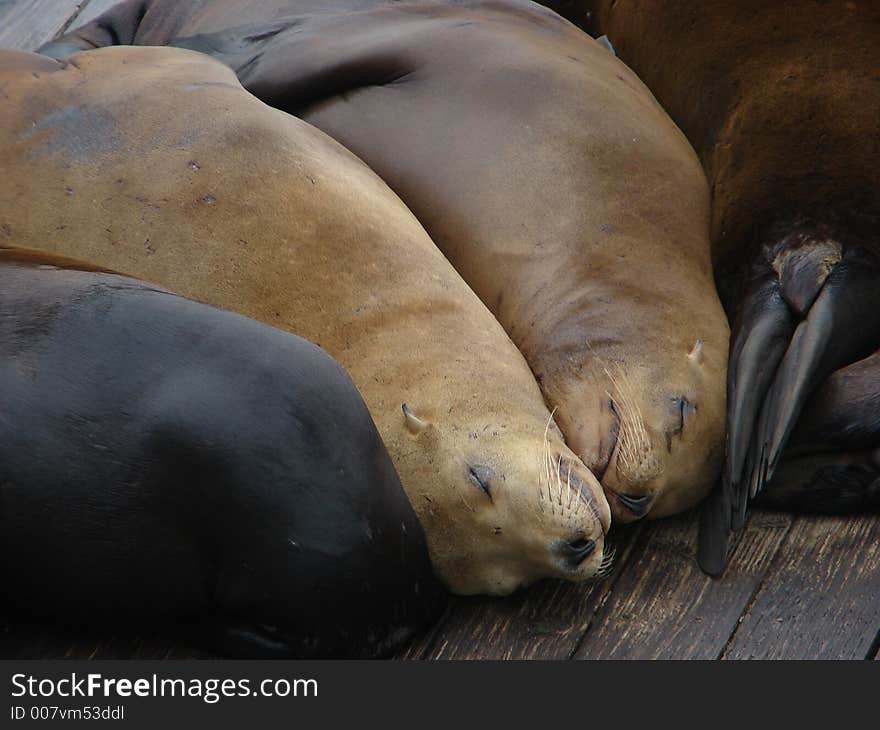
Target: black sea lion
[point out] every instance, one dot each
(156, 162)
(782, 102)
(165, 461)
(547, 174)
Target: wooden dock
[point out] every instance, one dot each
(797, 587)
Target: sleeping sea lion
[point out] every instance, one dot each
(155, 161)
(547, 174)
(782, 103)
(165, 461)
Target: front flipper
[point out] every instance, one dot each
(831, 466)
(842, 326)
(118, 26)
(296, 62)
(762, 331)
(824, 298)
(715, 531)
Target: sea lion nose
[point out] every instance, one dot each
(576, 551)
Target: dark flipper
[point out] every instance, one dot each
(842, 326)
(761, 334)
(118, 26)
(715, 532)
(832, 465)
(294, 63)
(762, 329)
(824, 298)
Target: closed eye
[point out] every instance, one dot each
(684, 408)
(636, 504)
(481, 476)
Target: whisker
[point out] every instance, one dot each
(568, 485)
(559, 480)
(548, 460)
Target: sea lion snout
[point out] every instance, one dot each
(569, 489)
(577, 513)
(544, 518)
(668, 431)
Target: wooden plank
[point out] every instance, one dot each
(27, 24)
(544, 622)
(664, 607)
(92, 11)
(822, 600)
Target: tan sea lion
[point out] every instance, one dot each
(156, 162)
(163, 461)
(547, 174)
(782, 102)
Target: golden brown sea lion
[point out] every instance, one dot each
(782, 102)
(156, 162)
(165, 461)
(547, 174)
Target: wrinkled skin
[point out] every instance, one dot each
(549, 177)
(156, 162)
(167, 462)
(782, 103)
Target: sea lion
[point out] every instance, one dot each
(782, 102)
(165, 461)
(155, 161)
(547, 174)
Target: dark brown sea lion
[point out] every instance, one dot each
(782, 102)
(547, 174)
(156, 162)
(165, 461)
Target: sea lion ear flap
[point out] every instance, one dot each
(605, 42)
(696, 354)
(414, 424)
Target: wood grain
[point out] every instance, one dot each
(822, 599)
(27, 24)
(546, 621)
(663, 607)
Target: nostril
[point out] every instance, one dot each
(636, 504)
(582, 544)
(577, 551)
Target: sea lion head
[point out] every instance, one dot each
(521, 505)
(652, 431)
